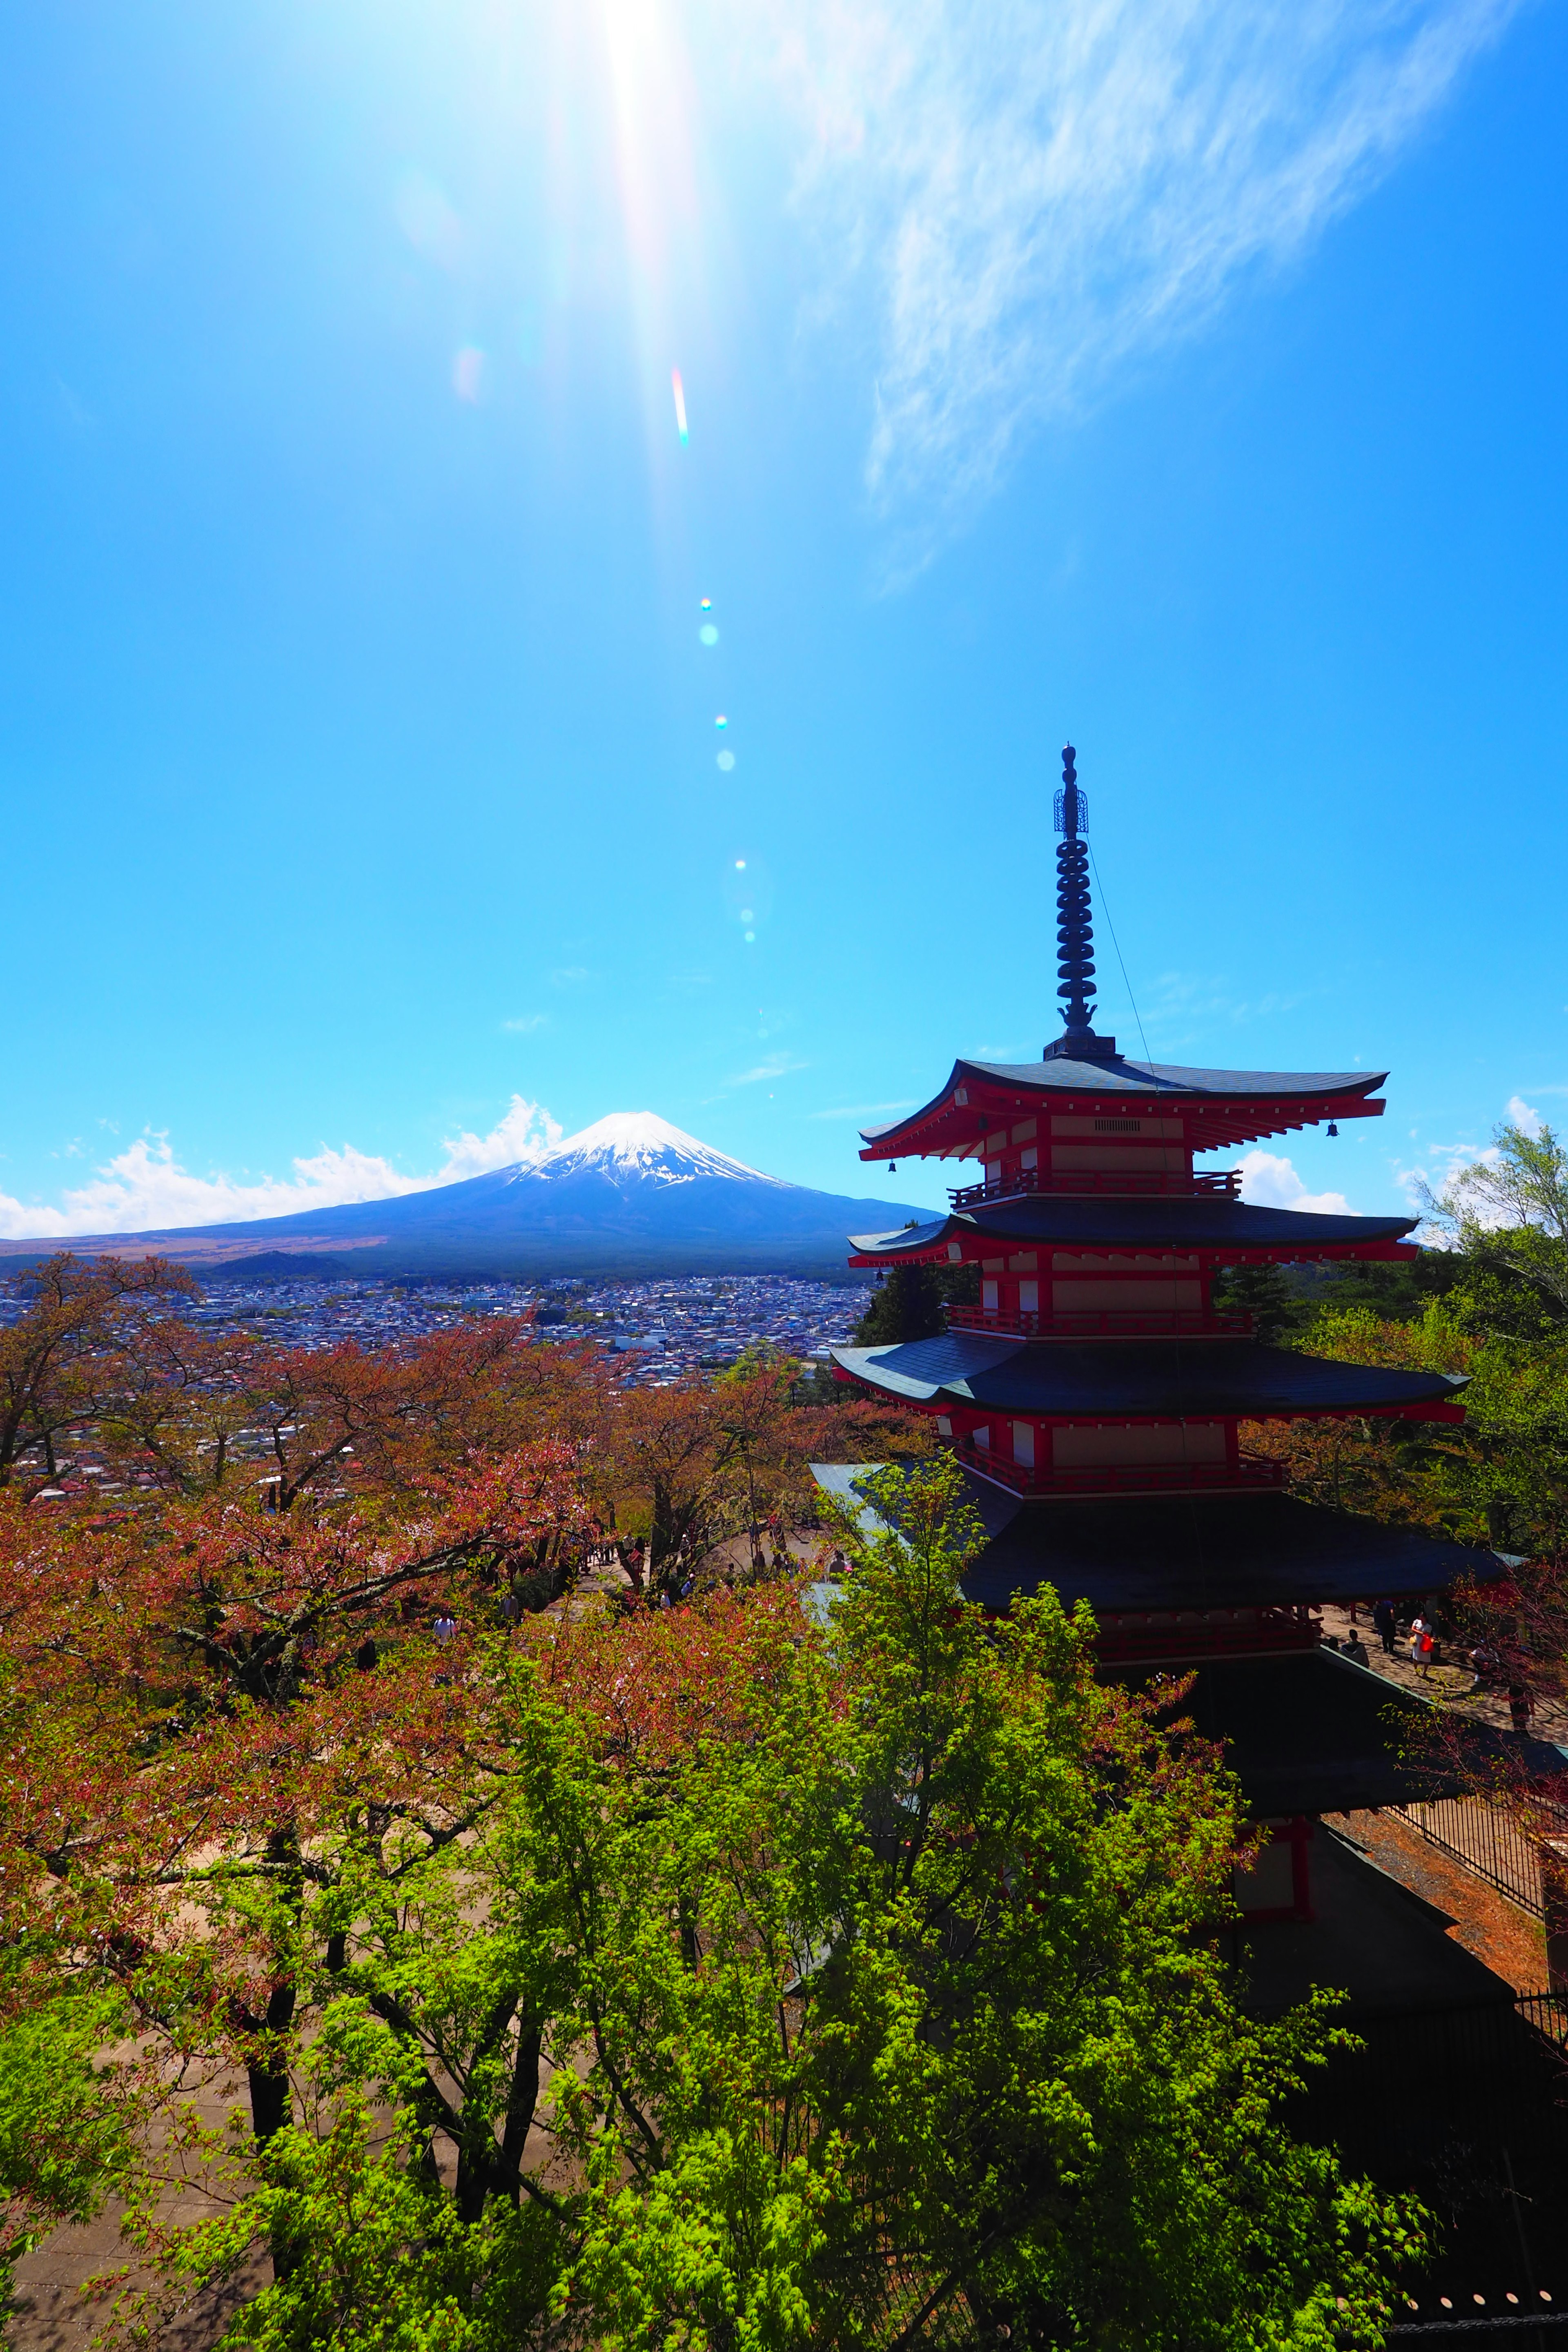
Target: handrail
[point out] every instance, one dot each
(1105, 1323)
(1167, 1185)
(1252, 1473)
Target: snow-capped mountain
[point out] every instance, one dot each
(630, 1195)
(637, 1146)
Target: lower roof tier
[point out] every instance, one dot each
(1237, 1551)
(1136, 1380)
(1310, 1733)
(1206, 1224)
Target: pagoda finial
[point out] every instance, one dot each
(1075, 927)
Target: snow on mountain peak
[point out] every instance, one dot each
(638, 1145)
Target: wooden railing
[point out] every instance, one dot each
(1251, 1474)
(1175, 1184)
(1104, 1323)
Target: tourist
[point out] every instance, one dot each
(1519, 1707)
(1383, 1619)
(1420, 1644)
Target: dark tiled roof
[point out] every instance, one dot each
(1310, 1733)
(1092, 1378)
(1121, 1077)
(1217, 1551)
(1182, 1221)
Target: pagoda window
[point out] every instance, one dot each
(1028, 1298)
(1110, 1156)
(983, 1437)
(988, 1297)
(1148, 1130)
(1030, 1158)
(1080, 1448)
(955, 1251)
(1023, 1443)
(1132, 1294)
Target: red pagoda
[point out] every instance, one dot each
(1095, 1394)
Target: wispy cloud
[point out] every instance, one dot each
(777, 1066)
(567, 975)
(523, 1024)
(1035, 197)
(1441, 1163)
(147, 1187)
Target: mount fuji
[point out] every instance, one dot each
(630, 1195)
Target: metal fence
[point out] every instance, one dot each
(1488, 1839)
(1547, 2012)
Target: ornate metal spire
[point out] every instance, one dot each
(1075, 926)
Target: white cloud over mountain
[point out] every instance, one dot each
(1022, 198)
(146, 1187)
(1269, 1180)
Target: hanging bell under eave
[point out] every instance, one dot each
(1332, 1128)
(892, 1167)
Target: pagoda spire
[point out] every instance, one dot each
(1075, 926)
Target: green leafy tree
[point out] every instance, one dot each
(67, 2139)
(1509, 1209)
(910, 1302)
(1266, 1293)
(873, 1984)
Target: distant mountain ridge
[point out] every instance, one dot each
(629, 1196)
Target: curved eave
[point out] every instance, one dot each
(1221, 1107)
(1195, 1224)
(1086, 1381)
(1234, 1551)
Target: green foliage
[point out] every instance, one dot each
(1509, 1209)
(66, 2139)
(885, 2009)
(911, 1302)
(1500, 1476)
(1266, 1293)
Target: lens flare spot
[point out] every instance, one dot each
(705, 604)
(720, 720)
(750, 935)
(748, 914)
(468, 372)
(679, 391)
(708, 635)
(726, 761)
(739, 865)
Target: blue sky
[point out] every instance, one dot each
(1188, 380)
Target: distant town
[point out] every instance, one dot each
(664, 1329)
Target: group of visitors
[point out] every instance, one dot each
(1426, 1634)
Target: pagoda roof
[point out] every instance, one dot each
(1276, 1099)
(1311, 1732)
(1192, 1552)
(1123, 1223)
(1092, 1380)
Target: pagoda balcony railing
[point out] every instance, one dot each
(1167, 1185)
(1252, 1473)
(1105, 1323)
